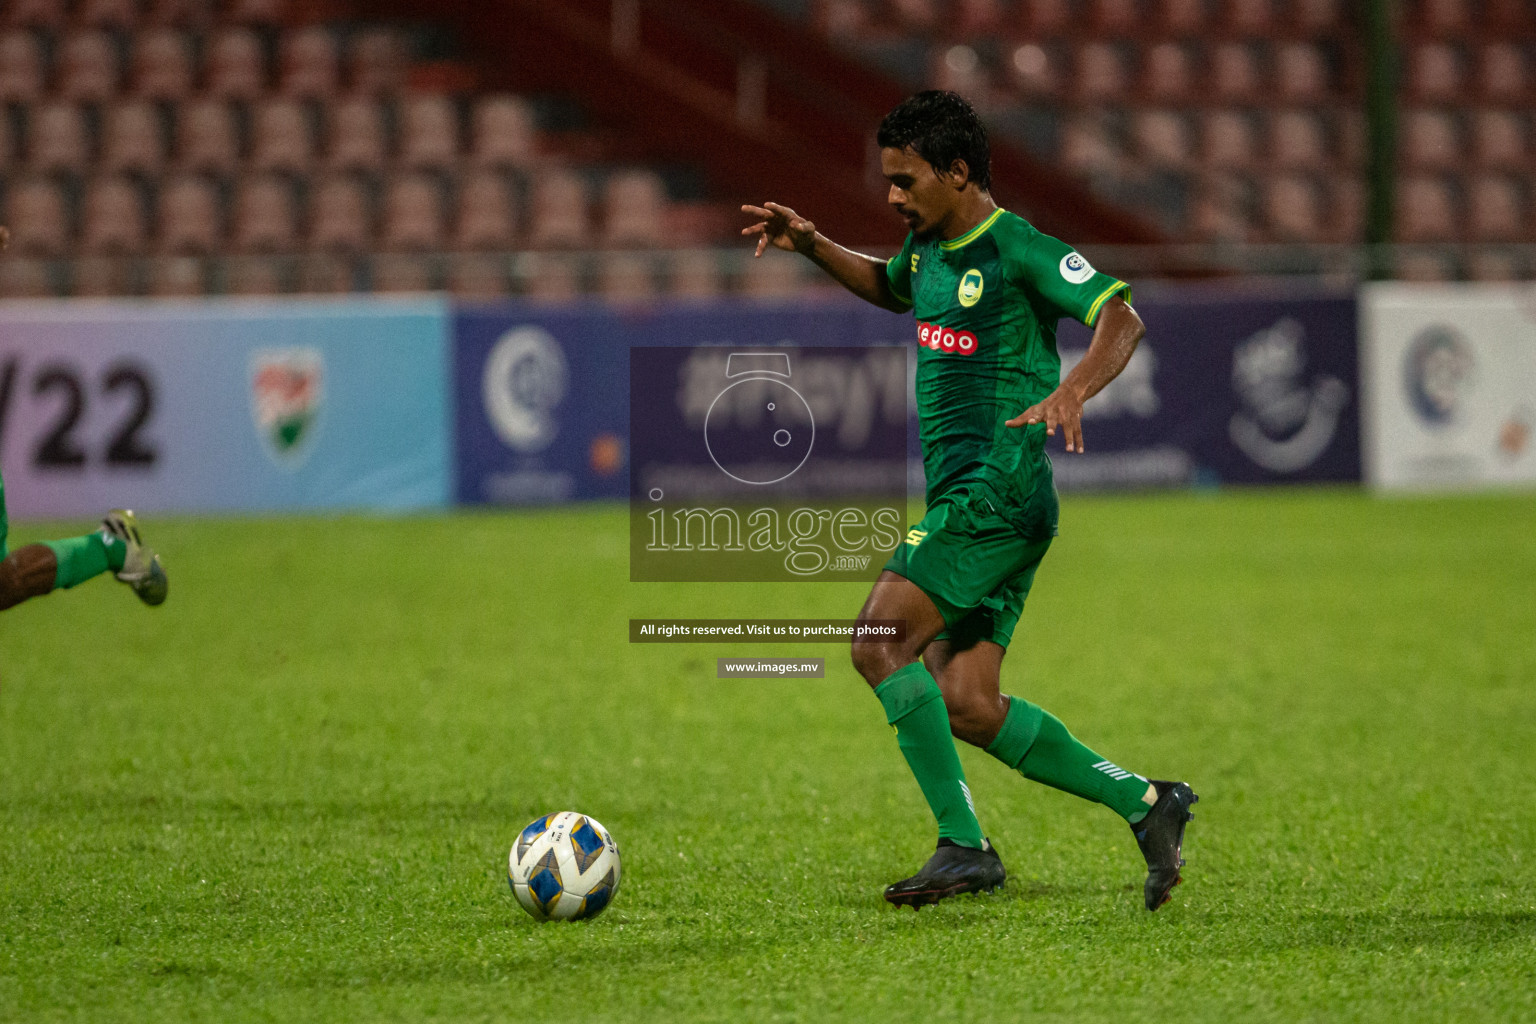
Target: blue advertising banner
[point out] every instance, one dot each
(1252, 388)
(226, 405)
(542, 393)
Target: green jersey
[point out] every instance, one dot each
(986, 306)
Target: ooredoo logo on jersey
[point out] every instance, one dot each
(946, 339)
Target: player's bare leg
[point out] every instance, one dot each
(969, 679)
(27, 572)
(964, 861)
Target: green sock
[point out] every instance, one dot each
(1035, 743)
(81, 558)
(915, 708)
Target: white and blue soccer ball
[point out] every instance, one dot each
(564, 867)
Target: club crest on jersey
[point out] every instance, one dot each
(1075, 269)
(970, 288)
(946, 339)
(287, 389)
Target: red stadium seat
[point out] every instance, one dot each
(1101, 73)
(478, 276)
(504, 132)
(1499, 139)
(1032, 72)
(776, 275)
(309, 65)
(206, 140)
(189, 221)
(257, 12)
(339, 218)
(377, 62)
(1435, 73)
(265, 215)
(326, 273)
(1492, 265)
(25, 279)
(1218, 211)
(162, 64)
(58, 138)
(695, 274)
(1426, 210)
(842, 19)
(1087, 146)
(1444, 17)
(1227, 140)
(38, 218)
(281, 139)
(1167, 74)
(1296, 141)
(413, 213)
(1255, 18)
(116, 14)
(1039, 19)
(1301, 73)
(429, 132)
(1503, 74)
(1160, 138)
(112, 221)
(626, 278)
(180, 276)
(975, 18)
(1293, 209)
(559, 210)
(237, 68)
(1234, 73)
(253, 275)
(1316, 17)
(1116, 18)
(549, 277)
(634, 203)
(1430, 140)
(958, 68)
(101, 276)
(916, 15)
(88, 66)
(43, 14)
(1496, 210)
(180, 13)
(21, 67)
(486, 213)
(402, 273)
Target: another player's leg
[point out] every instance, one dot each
(27, 572)
(140, 567)
(964, 861)
(39, 569)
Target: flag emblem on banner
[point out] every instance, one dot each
(287, 391)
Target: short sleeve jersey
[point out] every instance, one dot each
(986, 305)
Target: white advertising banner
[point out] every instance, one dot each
(1449, 396)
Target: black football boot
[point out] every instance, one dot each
(953, 869)
(1161, 838)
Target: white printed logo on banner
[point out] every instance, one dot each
(287, 392)
(1282, 424)
(524, 380)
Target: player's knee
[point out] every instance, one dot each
(876, 661)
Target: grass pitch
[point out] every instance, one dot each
(289, 793)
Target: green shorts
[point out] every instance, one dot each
(976, 565)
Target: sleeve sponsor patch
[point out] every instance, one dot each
(1075, 269)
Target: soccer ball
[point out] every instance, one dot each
(564, 867)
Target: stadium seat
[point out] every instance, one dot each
(339, 218)
(429, 132)
(1039, 19)
(40, 14)
(206, 140)
(326, 273)
(112, 221)
(58, 138)
(1186, 18)
(21, 67)
(26, 279)
(236, 65)
(413, 213)
(265, 215)
(1166, 73)
(1443, 17)
(559, 210)
(1227, 140)
(695, 274)
(88, 66)
(189, 221)
(504, 132)
(1101, 73)
(308, 63)
(1423, 267)
(1255, 18)
(633, 206)
(1217, 211)
(1496, 210)
(1493, 265)
(1316, 17)
(257, 12)
(1345, 209)
(842, 19)
(1503, 75)
(916, 15)
(1301, 73)
(179, 276)
(281, 139)
(1296, 141)
(377, 62)
(478, 276)
(357, 138)
(38, 218)
(1160, 138)
(1087, 146)
(958, 68)
(549, 277)
(179, 13)
(975, 18)
(132, 138)
(162, 64)
(1234, 73)
(1435, 73)
(627, 278)
(402, 272)
(253, 275)
(1426, 210)
(101, 276)
(486, 213)
(1293, 209)
(1032, 71)
(775, 276)
(1120, 19)
(113, 14)
(1430, 140)
(1499, 139)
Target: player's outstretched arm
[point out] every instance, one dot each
(783, 228)
(1115, 338)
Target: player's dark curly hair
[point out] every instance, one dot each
(941, 127)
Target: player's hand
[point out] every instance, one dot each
(1061, 408)
(780, 227)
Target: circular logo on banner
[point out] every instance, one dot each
(524, 380)
(970, 288)
(1437, 373)
(1075, 269)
